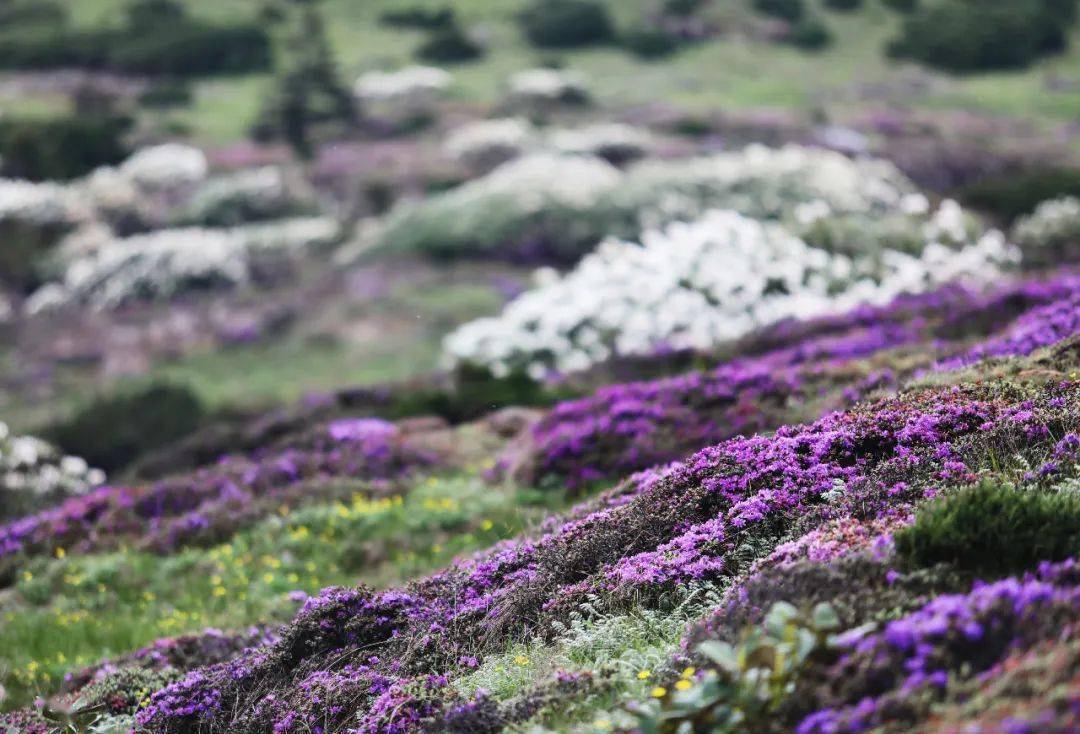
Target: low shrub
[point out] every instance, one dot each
(449, 45)
(649, 43)
(993, 528)
(194, 49)
(60, 147)
(901, 6)
(21, 13)
(844, 5)
(115, 429)
(683, 8)
(789, 10)
(810, 34)
(1016, 193)
(963, 36)
(566, 23)
(170, 93)
(418, 17)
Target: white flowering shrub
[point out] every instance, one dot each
(34, 473)
(614, 142)
(166, 166)
(538, 207)
(484, 144)
(540, 88)
(247, 196)
(33, 218)
(1051, 234)
(693, 286)
(517, 212)
(166, 263)
(411, 89)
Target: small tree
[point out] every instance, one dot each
(308, 92)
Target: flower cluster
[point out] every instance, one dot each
(695, 286)
(34, 473)
(1052, 233)
(411, 89)
(254, 195)
(211, 503)
(163, 264)
(822, 364)
(485, 144)
(544, 87)
(167, 166)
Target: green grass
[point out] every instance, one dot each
(72, 611)
(723, 74)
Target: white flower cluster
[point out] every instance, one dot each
(164, 263)
(165, 166)
(541, 87)
(1051, 231)
(246, 196)
(413, 88)
(616, 142)
(693, 286)
(31, 468)
(36, 204)
(484, 144)
(482, 214)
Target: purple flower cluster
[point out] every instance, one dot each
(211, 503)
(883, 677)
(825, 364)
(354, 661)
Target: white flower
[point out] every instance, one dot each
(693, 286)
(613, 141)
(1054, 224)
(32, 468)
(548, 85)
(166, 166)
(487, 143)
(410, 88)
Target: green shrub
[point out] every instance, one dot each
(194, 49)
(811, 34)
(965, 36)
(152, 14)
(418, 17)
(169, 93)
(449, 45)
(61, 147)
(789, 10)
(902, 6)
(994, 529)
(845, 6)
(649, 43)
(1016, 193)
(683, 8)
(566, 23)
(114, 430)
(31, 12)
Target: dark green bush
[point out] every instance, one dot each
(844, 5)
(966, 36)
(152, 14)
(114, 430)
(169, 93)
(1016, 193)
(902, 6)
(789, 10)
(811, 34)
(194, 49)
(683, 8)
(449, 45)
(649, 43)
(993, 529)
(22, 13)
(418, 17)
(60, 148)
(566, 23)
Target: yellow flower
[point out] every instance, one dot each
(521, 660)
(643, 675)
(27, 576)
(60, 553)
(487, 525)
(689, 672)
(683, 685)
(659, 692)
(268, 578)
(603, 724)
(219, 591)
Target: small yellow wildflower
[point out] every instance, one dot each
(644, 674)
(689, 672)
(521, 660)
(683, 685)
(60, 552)
(268, 578)
(487, 525)
(602, 724)
(659, 692)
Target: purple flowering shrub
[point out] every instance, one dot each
(210, 504)
(804, 370)
(357, 660)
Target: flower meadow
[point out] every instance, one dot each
(775, 442)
